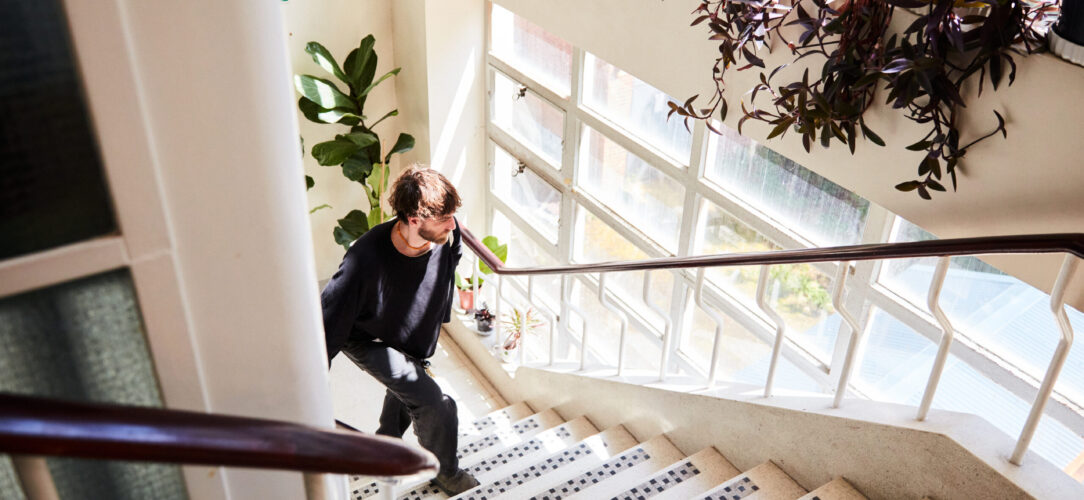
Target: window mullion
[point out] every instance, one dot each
(561, 101)
(65, 263)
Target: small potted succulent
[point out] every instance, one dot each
(517, 324)
(465, 286)
(483, 320)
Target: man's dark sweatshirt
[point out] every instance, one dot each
(379, 293)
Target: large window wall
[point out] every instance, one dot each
(585, 167)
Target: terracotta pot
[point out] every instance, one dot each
(466, 300)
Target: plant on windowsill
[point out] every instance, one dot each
(358, 152)
(465, 286)
(1067, 36)
(483, 320)
(923, 70)
(518, 324)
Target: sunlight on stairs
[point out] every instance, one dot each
(518, 454)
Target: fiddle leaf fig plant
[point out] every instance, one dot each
(358, 151)
(922, 70)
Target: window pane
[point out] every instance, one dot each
(53, 190)
(635, 106)
(896, 366)
(646, 197)
(794, 196)
(798, 292)
(524, 252)
(594, 241)
(533, 198)
(84, 341)
(1002, 313)
(642, 352)
(745, 358)
(531, 120)
(530, 49)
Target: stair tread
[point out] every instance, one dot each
(481, 426)
(836, 489)
(556, 467)
(616, 474)
(763, 482)
(507, 436)
(686, 478)
(515, 458)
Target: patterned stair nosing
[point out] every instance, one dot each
(551, 464)
(661, 483)
(592, 477)
(736, 489)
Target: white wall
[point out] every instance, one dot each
(340, 25)
(1026, 184)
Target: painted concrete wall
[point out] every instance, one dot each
(340, 25)
(1026, 184)
(216, 96)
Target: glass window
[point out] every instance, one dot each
(643, 195)
(634, 106)
(604, 340)
(792, 195)
(532, 198)
(1002, 313)
(745, 358)
(530, 119)
(895, 367)
(53, 190)
(524, 252)
(800, 293)
(531, 49)
(84, 341)
(594, 241)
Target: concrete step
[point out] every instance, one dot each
(499, 418)
(511, 460)
(763, 482)
(685, 478)
(506, 437)
(616, 474)
(555, 468)
(836, 489)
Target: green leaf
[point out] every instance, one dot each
(494, 245)
(394, 112)
(357, 60)
(315, 113)
(324, 60)
(322, 92)
(343, 238)
(325, 205)
(334, 152)
(374, 84)
(404, 143)
(355, 223)
(358, 166)
(375, 217)
(309, 183)
(874, 138)
(362, 139)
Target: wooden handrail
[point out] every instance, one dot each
(1071, 243)
(37, 426)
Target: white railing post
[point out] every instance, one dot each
(718, 343)
(668, 326)
(933, 301)
(530, 305)
(475, 272)
(856, 332)
(566, 305)
(621, 316)
(1057, 306)
(780, 327)
(497, 311)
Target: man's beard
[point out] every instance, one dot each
(434, 237)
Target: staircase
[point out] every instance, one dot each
(516, 453)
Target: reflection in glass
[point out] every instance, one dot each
(797, 198)
(528, 118)
(531, 49)
(532, 198)
(634, 106)
(637, 191)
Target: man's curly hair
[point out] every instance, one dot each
(423, 192)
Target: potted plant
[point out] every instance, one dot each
(465, 286)
(1067, 36)
(483, 320)
(518, 324)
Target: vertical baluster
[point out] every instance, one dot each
(1057, 306)
(667, 332)
(717, 345)
(856, 332)
(565, 328)
(933, 300)
(497, 311)
(621, 316)
(34, 477)
(780, 327)
(475, 273)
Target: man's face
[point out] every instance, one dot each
(436, 229)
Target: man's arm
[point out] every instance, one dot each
(457, 253)
(341, 302)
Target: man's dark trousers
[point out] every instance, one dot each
(412, 396)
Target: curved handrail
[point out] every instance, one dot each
(38, 426)
(1071, 243)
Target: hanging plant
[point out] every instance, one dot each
(922, 69)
